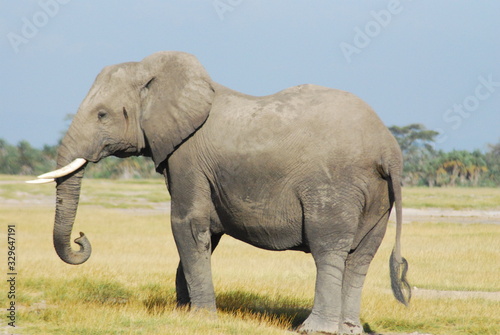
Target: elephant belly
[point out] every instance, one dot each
(271, 224)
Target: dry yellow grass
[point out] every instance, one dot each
(127, 286)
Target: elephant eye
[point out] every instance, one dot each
(102, 115)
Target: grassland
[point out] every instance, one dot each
(459, 198)
(127, 286)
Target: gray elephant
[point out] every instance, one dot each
(308, 168)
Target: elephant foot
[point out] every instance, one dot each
(349, 327)
(315, 325)
(209, 309)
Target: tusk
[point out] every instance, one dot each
(40, 181)
(65, 170)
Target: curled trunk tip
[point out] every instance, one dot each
(70, 256)
(67, 198)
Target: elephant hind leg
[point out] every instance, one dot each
(181, 286)
(357, 264)
(329, 230)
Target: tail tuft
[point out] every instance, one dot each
(400, 286)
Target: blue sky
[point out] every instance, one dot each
(430, 62)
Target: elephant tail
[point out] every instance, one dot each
(397, 264)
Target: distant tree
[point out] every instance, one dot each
(454, 165)
(48, 156)
(8, 158)
(476, 166)
(492, 159)
(420, 158)
(413, 137)
(430, 163)
(423, 165)
(28, 158)
(495, 149)
(460, 167)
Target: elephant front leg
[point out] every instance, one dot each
(181, 287)
(194, 284)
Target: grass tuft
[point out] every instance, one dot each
(284, 310)
(158, 300)
(100, 292)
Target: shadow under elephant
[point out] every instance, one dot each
(287, 311)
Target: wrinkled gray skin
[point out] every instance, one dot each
(308, 168)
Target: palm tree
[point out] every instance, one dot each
(454, 166)
(476, 166)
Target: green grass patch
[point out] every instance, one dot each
(19, 190)
(120, 194)
(454, 198)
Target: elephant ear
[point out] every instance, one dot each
(176, 98)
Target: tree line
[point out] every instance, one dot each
(24, 159)
(426, 166)
(423, 165)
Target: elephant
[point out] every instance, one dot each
(309, 168)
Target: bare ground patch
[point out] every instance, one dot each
(451, 215)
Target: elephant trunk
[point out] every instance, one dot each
(67, 198)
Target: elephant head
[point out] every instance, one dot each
(140, 108)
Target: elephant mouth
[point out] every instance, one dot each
(121, 150)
